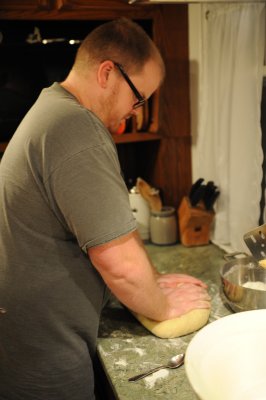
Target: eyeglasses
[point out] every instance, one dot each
(141, 99)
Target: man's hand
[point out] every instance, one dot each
(184, 293)
(184, 298)
(172, 280)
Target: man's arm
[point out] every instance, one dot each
(126, 269)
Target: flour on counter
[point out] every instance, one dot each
(151, 379)
(139, 351)
(103, 352)
(121, 362)
(115, 346)
(255, 285)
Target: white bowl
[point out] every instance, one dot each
(226, 360)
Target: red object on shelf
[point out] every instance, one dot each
(121, 128)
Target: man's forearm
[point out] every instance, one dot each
(126, 269)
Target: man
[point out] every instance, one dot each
(66, 225)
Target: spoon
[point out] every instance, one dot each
(174, 362)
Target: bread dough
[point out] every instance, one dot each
(172, 328)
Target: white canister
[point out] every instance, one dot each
(141, 212)
(163, 226)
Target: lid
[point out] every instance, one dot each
(166, 211)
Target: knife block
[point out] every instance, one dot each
(194, 223)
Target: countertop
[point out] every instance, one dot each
(125, 348)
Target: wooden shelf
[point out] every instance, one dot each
(136, 137)
(125, 138)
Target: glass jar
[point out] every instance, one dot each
(163, 226)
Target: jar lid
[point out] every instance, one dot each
(166, 211)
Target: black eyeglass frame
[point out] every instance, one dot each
(141, 100)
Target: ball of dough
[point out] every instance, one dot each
(172, 328)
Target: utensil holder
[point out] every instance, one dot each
(194, 223)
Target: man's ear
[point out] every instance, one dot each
(104, 71)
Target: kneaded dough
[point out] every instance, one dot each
(172, 328)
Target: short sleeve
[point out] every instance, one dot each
(89, 196)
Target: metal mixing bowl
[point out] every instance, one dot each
(234, 274)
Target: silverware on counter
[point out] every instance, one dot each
(174, 362)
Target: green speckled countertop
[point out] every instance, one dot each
(125, 348)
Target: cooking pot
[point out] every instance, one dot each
(241, 277)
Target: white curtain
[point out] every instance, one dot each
(228, 148)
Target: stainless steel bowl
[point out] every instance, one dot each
(234, 275)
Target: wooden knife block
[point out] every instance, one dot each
(194, 223)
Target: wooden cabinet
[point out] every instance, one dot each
(111, 8)
(72, 9)
(24, 6)
(162, 155)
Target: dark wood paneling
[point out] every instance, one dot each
(17, 5)
(72, 9)
(171, 35)
(172, 169)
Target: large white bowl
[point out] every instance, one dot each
(226, 360)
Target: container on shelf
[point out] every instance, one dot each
(163, 226)
(141, 212)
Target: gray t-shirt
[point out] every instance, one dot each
(61, 191)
